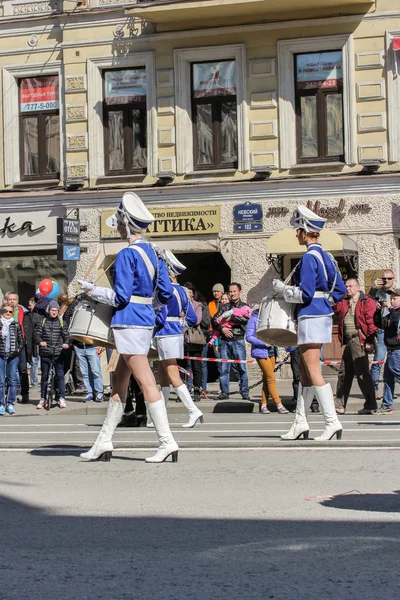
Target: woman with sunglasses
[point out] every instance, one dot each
(318, 285)
(10, 346)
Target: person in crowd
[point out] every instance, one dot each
(51, 336)
(19, 312)
(89, 362)
(195, 338)
(389, 321)
(225, 320)
(225, 299)
(32, 355)
(70, 355)
(11, 343)
(381, 293)
(215, 304)
(317, 285)
(170, 340)
(233, 345)
(140, 285)
(265, 356)
(42, 304)
(64, 303)
(356, 331)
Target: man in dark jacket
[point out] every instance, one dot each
(381, 293)
(233, 345)
(356, 331)
(52, 337)
(28, 324)
(19, 313)
(390, 321)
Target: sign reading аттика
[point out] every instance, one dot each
(189, 220)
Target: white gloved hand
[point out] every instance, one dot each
(86, 285)
(278, 285)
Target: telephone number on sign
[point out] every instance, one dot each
(32, 106)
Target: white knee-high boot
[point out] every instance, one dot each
(103, 447)
(166, 390)
(300, 425)
(168, 446)
(194, 413)
(326, 401)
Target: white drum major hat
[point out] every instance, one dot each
(175, 267)
(306, 219)
(133, 213)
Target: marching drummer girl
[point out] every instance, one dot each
(318, 285)
(140, 282)
(170, 343)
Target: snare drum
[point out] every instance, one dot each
(91, 324)
(276, 325)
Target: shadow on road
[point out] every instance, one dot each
(389, 503)
(47, 556)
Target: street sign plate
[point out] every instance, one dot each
(247, 213)
(71, 252)
(247, 227)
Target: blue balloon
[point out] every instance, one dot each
(54, 292)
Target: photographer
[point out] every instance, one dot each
(381, 293)
(356, 331)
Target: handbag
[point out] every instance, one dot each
(193, 336)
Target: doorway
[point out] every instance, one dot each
(204, 270)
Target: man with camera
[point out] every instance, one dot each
(356, 331)
(381, 293)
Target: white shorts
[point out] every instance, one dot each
(314, 330)
(132, 341)
(171, 346)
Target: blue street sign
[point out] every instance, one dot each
(71, 252)
(247, 227)
(247, 213)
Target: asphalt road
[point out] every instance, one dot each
(219, 524)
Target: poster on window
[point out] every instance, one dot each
(319, 70)
(39, 94)
(123, 87)
(214, 79)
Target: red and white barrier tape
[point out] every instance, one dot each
(252, 361)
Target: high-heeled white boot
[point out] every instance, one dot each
(194, 413)
(326, 401)
(300, 425)
(103, 447)
(168, 446)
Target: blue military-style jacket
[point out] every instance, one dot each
(169, 318)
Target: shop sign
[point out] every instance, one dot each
(188, 220)
(328, 212)
(319, 70)
(125, 86)
(10, 228)
(70, 253)
(39, 93)
(214, 79)
(277, 210)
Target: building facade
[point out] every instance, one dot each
(222, 116)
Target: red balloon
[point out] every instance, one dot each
(45, 287)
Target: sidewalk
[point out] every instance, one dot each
(76, 406)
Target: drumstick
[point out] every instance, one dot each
(112, 363)
(92, 264)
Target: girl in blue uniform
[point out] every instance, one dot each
(318, 285)
(170, 343)
(141, 283)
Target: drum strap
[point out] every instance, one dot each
(178, 299)
(146, 260)
(173, 319)
(321, 260)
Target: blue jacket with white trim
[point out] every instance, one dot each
(168, 318)
(310, 277)
(136, 275)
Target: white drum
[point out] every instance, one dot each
(276, 325)
(91, 323)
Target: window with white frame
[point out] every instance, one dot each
(123, 124)
(322, 119)
(39, 126)
(211, 109)
(33, 116)
(125, 121)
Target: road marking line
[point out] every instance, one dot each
(191, 431)
(247, 449)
